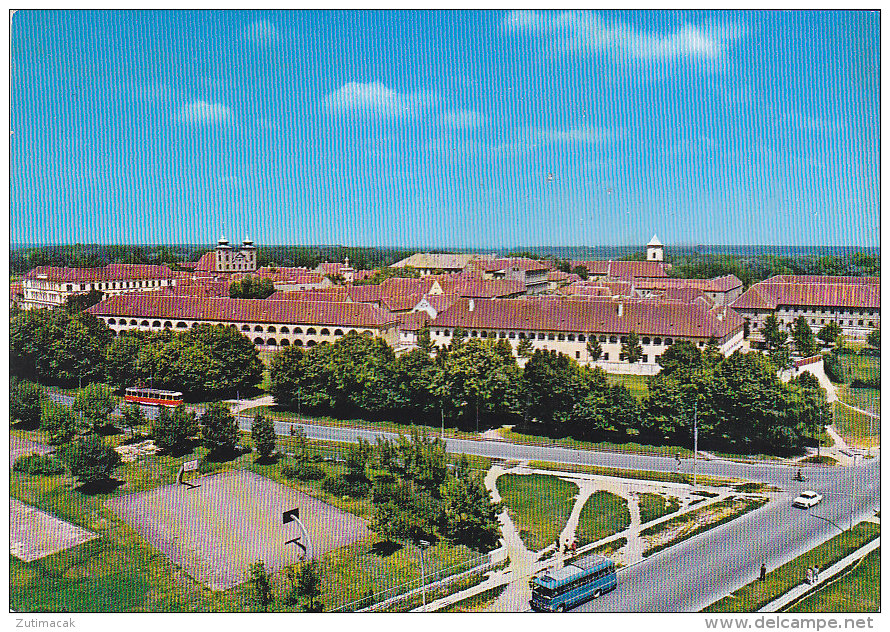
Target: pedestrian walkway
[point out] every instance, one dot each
(825, 575)
(242, 404)
(860, 410)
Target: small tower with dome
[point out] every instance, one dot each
(654, 249)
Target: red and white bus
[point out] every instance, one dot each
(153, 397)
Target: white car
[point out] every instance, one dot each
(807, 499)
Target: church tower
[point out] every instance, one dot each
(654, 250)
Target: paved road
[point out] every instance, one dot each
(775, 473)
(693, 574)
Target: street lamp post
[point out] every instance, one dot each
(695, 446)
(423, 545)
(852, 489)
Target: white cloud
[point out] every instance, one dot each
(463, 119)
(372, 98)
(198, 111)
(262, 32)
(588, 32)
(582, 134)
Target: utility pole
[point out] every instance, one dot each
(852, 489)
(695, 445)
(423, 545)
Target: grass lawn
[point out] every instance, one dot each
(476, 603)
(603, 514)
(780, 580)
(823, 460)
(287, 415)
(635, 384)
(539, 505)
(667, 477)
(854, 427)
(858, 591)
(654, 506)
(569, 442)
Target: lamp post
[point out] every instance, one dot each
(423, 544)
(695, 446)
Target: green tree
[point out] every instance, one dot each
(121, 358)
(581, 271)
(219, 430)
(90, 459)
(874, 338)
(804, 340)
(25, 403)
(525, 348)
(133, 418)
(95, 403)
(594, 348)
(683, 355)
(173, 431)
(81, 302)
(234, 359)
(262, 431)
(631, 349)
(470, 514)
(424, 340)
(251, 287)
(261, 583)
(307, 581)
(78, 355)
(829, 333)
(772, 334)
(59, 423)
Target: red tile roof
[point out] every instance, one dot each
(337, 294)
(154, 305)
(207, 262)
(413, 321)
(510, 263)
(646, 317)
(111, 272)
(624, 269)
(769, 295)
(725, 283)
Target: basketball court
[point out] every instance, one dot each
(34, 534)
(217, 529)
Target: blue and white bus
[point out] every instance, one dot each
(557, 590)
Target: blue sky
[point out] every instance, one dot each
(446, 128)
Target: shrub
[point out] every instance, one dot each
(346, 486)
(302, 471)
(38, 465)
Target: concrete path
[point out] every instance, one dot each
(243, 404)
(859, 410)
(585, 490)
(825, 575)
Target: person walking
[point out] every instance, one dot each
(763, 572)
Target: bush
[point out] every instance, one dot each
(38, 465)
(346, 486)
(833, 369)
(302, 471)
(866, 382)
(868, 351)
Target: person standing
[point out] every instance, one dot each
(763, 572)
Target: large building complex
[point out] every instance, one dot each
(854, 303)
(267, 323)
(48, 286)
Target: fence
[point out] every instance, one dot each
(404, 591)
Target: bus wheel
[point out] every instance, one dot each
(561, 607)
(597, 593)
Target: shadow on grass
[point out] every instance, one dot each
(105, 486)
(385, 549)
(269, 460)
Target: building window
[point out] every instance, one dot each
(447, 332)
(656, 342)
(540, 336)
(484, 334)
(285, 329)
(645, 358)
(571, 337)
(512, 335)
(871, 323)
(860, 322)
(701, 343)
(606, 356)
(623, 339)
(551, 336)
(581, 338)
(325, 332)
(258, 328)
(561, 337)
(668, 341)
(646, 340)
(577, 355)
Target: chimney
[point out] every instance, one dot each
(620, 309)
(472, 305)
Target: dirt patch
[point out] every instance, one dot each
(218, 529)
(34, 534)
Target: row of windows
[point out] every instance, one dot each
(848, 323)
(831, 310)
(645, 340)
(117, 285)
(284, 329)
(581, 581)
